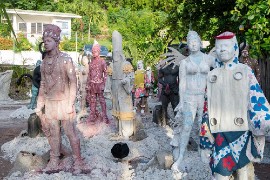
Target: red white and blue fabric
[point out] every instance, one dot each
(234, 150)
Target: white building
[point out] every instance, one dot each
(31, 23)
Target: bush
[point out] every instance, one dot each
(6, 44)
(23, 43)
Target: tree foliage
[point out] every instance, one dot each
(254, 15)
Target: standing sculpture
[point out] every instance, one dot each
(236, 115)
(168, 78)
(139, 88)
(35, 86)
(119, 84)
(252, 63)
(58, 93)
(192, 76)
(83, 75)
(96, 83)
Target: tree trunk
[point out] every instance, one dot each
(89, 32)
(265, 75)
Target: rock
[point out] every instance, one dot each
(5, 79)
(165, 159)
(27, 161)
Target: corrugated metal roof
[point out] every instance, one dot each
(42, 13)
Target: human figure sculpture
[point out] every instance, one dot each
(58, 93)
(96, 83)
(193, 73)
(120, 83)
(83, 75)
(252, 63)
(139, 87)
(149, 80)
(35, 86)
(236, 115)
(168, 78)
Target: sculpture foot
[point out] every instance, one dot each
(52, 166)
(80, 166)
(175, 167)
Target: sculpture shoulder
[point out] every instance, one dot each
(65, 57)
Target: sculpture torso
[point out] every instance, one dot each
(196, 75)
(96, 69)
(170, 77)
(55, 77)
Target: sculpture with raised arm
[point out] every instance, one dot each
(192, 77)
(236, 115)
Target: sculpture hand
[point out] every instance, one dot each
(70, 109)
(123, 81)
(38, 112)
(205, 155)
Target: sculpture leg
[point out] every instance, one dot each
(174, 98)
(188, 119)
(75, 145)
(83, 102)
(165, 102)
(93, 101)
(184, 138)
(127, 128)
(54, 139)
(246, 172)
(103, 107)
(220, 177)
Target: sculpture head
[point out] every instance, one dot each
(51, 37)
(38, 63)
(95, 49)
(140, 65)
(226, 47)
(117, 47)
(194, 41)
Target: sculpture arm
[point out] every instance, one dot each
(104, 71)
(70, 71)
(41, 93)
(258, 108)
(160, 78)
(182, 83)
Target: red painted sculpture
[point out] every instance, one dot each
(95, 85)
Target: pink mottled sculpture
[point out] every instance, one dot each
(96, 83)
(57, 93)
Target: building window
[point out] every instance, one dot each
(63, 25)
(36, 28)
(33, 28)
(22, 27)
(39, 28)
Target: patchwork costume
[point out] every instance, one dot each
(236, 116)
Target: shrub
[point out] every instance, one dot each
(6, 44)
(23, 43)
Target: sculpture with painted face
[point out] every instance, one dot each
(235, 115)
(192, 77)
(58, 93)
